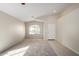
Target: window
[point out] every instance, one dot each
(34, 29)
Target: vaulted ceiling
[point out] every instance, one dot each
(35, 10)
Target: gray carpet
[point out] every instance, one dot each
(30, 48)
(40, 49)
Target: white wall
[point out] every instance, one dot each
(68, 30)
(11, 31)
(49, 27)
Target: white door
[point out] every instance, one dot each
(51, 31)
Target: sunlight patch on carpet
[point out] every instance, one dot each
(17, 52)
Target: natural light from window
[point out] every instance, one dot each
(34, 29)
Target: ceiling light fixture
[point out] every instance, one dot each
(23, 3)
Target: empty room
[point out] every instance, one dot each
(39, 29)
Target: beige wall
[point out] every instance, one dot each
(11, 31)
(68, 30)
